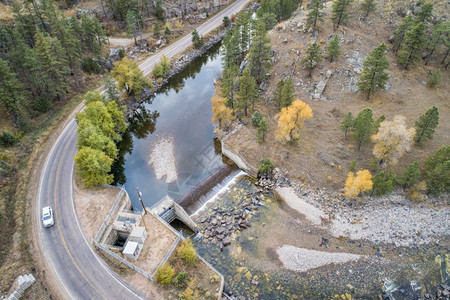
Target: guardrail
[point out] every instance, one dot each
(127, 263)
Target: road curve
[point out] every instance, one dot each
(81, 274)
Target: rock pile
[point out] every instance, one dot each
(219, 228)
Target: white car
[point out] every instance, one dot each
(47, 216)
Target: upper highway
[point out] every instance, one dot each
(80, 272)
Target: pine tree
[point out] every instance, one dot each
(441, 33)
(437, 171)
(256, 118)
(231, 50)
(248, 93)
(368, 6)
(392, 141)
(197, 39)
(363, 126)
(426, 125)
(400, 32)
(383, 183)
(377, 123)
(259, 52)
(373, 76)
(229, 82)
(412, 46)
(347, 123)
(425, 13)
(242, 29)
(312, 59)
(262, 130)
(277, 94)
(269, 20)
(316, 14)
(435, 79)
(290, 121)
(287, 93)
(50, 54)
(266, 6)
(159, 11)
(410, 175)
(12, 93)
(132, 23)
(334, 49)
(340, 12)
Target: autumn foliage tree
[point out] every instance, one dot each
(222, 114)
(355, 185)
(100, 126)
(392, 141)
(290, 121)
(128, 76)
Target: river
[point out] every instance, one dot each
(169, 145)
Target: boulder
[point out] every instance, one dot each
(226, 241)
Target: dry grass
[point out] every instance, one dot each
(322, 148)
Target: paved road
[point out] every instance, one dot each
(79, 271)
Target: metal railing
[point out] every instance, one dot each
(111, 213)
(125, 262)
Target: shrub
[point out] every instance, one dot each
(410, 175)
(359, 184)
(226, 21)
(435, 79)
(41, 104)
(266, 166)
(90, 66)
(162, 69)
(256, 118)
(7, 139)
(383, 183)
(165, 274)
(352, 167)
(181, 279)
(437, 171)
(187, 253)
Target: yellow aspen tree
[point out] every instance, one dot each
(129, 77)
(392, 140)
(221, 113)
(359, 184)
(290, 121)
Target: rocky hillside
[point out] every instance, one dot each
(323, 155)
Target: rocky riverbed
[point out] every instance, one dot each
(267, 258)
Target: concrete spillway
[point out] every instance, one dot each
(198, 195)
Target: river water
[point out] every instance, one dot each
(169, 146)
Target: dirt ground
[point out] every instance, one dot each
(158, 242)
(322, 155)
(92, 206)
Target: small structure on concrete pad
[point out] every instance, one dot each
(139, 234)
(132, 250)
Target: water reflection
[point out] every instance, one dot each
(180, 113)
